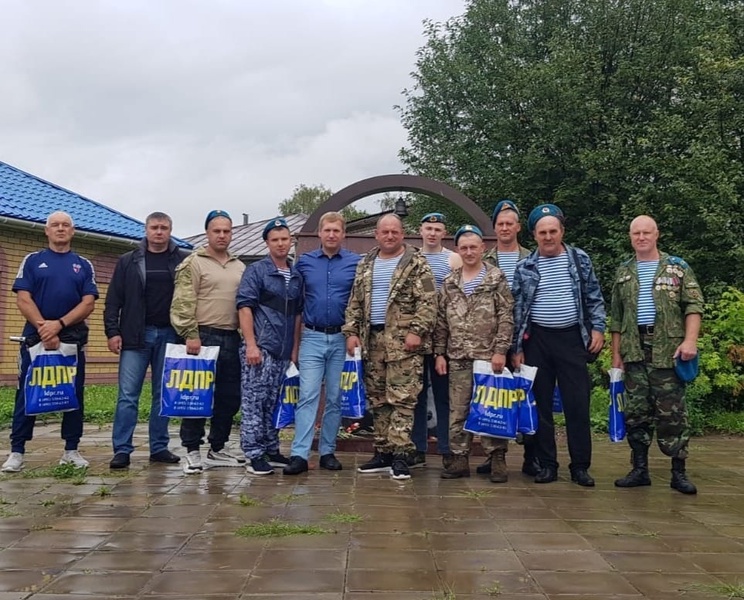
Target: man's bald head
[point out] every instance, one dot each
(643, 221)
(387, 220)
(643, 236)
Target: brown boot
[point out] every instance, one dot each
(459, 467)
(499, 474)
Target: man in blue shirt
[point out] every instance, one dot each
(56, 291)
(328, 273)
(269, 302)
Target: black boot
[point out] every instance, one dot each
(638, 476)
(679, 478)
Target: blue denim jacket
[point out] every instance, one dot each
(526, 278)
(275, 305)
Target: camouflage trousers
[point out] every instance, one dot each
(461, 392)
(392, 391)
(655, 399)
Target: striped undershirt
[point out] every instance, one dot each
(439, 263)
(554, 304)
(508, 264)
(286, 273)
(646, 307)
(382, 275)
(469, 286)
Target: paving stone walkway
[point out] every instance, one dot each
(155, 533)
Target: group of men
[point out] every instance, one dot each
(420, 317)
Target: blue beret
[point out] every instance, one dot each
(544, 210)
(502, 206)
(468, 229)
(277, 223)
(213, 214)
(433, 218)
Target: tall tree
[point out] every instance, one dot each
(306, 198)
(610, 108)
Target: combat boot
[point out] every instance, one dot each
(638, 475)
(459, 467)
(679, 478)
(499, 474)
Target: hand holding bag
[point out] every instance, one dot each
(289, 393)
(353, 394)
(50, 380)
(616, 419)
(493, 405)
(188, 382)
(527, 420)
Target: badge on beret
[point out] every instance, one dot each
(277, 223)
(545, 210)
(433, 219)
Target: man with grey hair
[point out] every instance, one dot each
(138, 328)
(55, 292)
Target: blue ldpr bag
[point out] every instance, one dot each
(493, 404)
(50, 381)
(557, 400)
(353, 394)
(616, 418)
(289, 393)
(187, 383)
(527, 413)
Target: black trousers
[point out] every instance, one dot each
(226, 392)
(560, 354)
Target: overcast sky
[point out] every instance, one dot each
(185, 106)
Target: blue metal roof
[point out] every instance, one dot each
(28, 198)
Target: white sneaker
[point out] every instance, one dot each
(72, 457)
(14, 464)
(193, 462)
(223, 458)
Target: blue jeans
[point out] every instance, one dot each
(132, 370)
(440, 389)
(22, 430)
(321, 357)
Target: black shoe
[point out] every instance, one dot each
(120, 461)
(582, 477)
(680, 482)
(636, 478)
(416, 460)
(484, 468)
(380, 462)
(399, 469)
(330, 462)
(164, 456)
(531, 467)
(296, 465)
(277, 459)
(547, 475)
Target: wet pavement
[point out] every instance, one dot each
(154, 532)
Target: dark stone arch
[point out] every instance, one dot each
(398, 183)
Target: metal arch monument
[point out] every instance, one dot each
(388, 183)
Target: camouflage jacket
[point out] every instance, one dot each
(412, 304)
(478, 326)
(676, 294)
(204, 294)
(492, 256)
